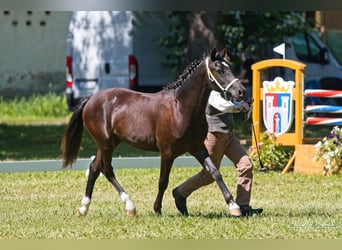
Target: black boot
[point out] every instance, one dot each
(180, 202)
(247, 210)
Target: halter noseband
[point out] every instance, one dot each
(213, 79)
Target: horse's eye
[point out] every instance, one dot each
(221, 72)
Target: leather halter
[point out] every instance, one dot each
(213, 79)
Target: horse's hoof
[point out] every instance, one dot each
(80, 213)
(234, 209)
(235, 212)
(131, 213)
(157, 212)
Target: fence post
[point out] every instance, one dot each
(297, 96)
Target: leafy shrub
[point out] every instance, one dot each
(51, 105)
(272, 155)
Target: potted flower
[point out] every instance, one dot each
(273, 155)
(329, 149)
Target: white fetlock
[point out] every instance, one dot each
(234, 209)
(130, 208)
(82, 211)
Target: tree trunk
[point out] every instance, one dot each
(201, 38)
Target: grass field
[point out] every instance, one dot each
(42, 205)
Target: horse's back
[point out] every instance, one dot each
(131, 116)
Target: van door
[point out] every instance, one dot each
(116, 46)
(147, 27)
(98, 45)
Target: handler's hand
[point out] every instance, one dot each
(249, 111)
(242, 106)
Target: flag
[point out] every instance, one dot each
(280, 49)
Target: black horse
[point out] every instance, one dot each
(171, 121)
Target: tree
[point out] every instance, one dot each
(194, 33)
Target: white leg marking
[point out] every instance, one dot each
(129, 204)
(85, 205)
(234, 209)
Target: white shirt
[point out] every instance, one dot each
(223, 105)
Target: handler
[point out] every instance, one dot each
(222, 141)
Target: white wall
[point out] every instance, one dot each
(32, 51)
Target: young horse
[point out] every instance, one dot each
(171, 121)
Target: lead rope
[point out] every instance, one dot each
(213, 79)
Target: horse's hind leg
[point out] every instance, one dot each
(109, 173)
(94, 171)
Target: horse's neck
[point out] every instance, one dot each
(193, 95)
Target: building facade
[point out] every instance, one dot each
(33, 47)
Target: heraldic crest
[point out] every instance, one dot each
(278, 105)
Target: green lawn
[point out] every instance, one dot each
(42, 205)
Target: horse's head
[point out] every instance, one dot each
(221, 77)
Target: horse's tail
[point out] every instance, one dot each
(71, 141)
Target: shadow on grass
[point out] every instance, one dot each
(32, 142)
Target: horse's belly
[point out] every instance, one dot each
(139, 135)
(144, 146)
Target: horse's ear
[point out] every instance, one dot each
(223, 52)
(213, 54)
(226, 56)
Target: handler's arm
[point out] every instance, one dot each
(223, 105)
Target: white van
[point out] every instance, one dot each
(322, 69)
(108, 49)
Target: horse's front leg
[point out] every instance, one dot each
(165, 168)
(203, 157)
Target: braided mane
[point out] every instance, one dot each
(184, 76)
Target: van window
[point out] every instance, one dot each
(306, 48)
(334, 43)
